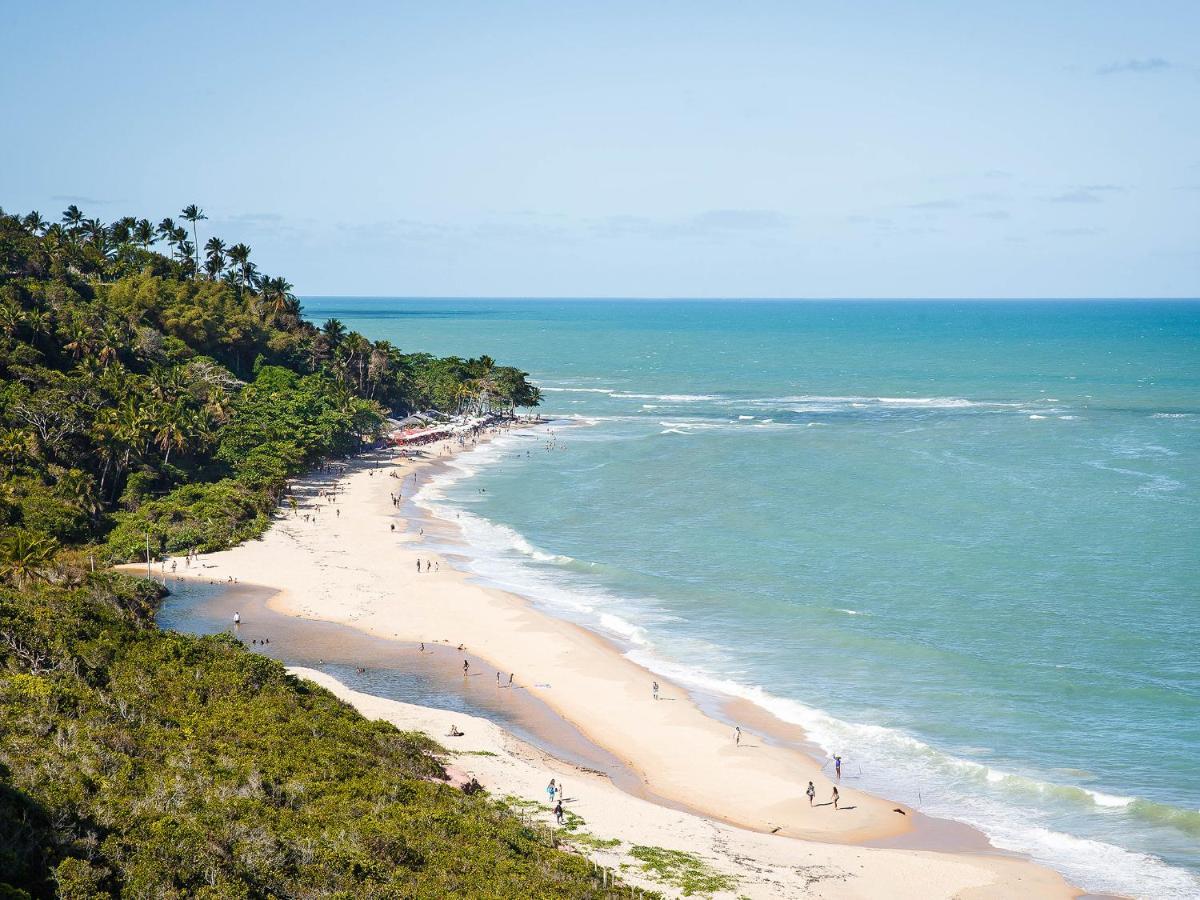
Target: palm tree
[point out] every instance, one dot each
(334, 331)
(171, 429)
(79, 339)
(143, 232)
(122, 230)
(178, 239)
(11, 318)
(277, 295)
(239, 256)
(71, 217)
(166, 384)
(214, 253)
(79, 488)
(188, 256)
(192, 213)
(95, 230)
(38, 321)
(357, 349)
(166, 229)
(34, 223)
(111, 340)
(25, 558)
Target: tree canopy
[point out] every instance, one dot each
(145, 390)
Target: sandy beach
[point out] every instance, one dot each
(353, 559)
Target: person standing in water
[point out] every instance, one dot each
(237, 618)
(811, 792)
(466, 668)
(837, 767)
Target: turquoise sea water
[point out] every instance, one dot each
(958, 542)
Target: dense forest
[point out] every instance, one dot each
(160, 393)
(170, 397)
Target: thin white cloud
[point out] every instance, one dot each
(934, 204)
(1086, 193)
(1134, 66)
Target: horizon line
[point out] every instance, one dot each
(1182, 299)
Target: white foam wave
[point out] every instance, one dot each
(627, 630)
(1155, 483)
(1036, 416)
(669, 398)
(1109, 800)
(862, 402)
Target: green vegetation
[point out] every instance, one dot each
(569, 831)
(135, 762)
(158, 393)
(685, 871)
(169, 397)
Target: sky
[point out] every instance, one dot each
(667, 149)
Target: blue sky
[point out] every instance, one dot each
(799, 149)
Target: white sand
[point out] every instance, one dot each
(353, 569)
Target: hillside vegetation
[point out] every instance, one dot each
(157, 394)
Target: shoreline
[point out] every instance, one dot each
(580, 675)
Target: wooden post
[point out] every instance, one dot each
(148, 573)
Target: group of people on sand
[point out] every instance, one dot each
(555, 792)
(431, 565)
(810, 791)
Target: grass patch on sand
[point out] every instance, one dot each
(685, 871)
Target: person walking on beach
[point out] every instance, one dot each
(550, 790)
(737, 735)
(811, 792)
(418, 566)
(837, 767)
(558, 812)
(835, 797)
(654, 689)
(510, 678)
(466, 668)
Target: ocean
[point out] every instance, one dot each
(958, 542)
